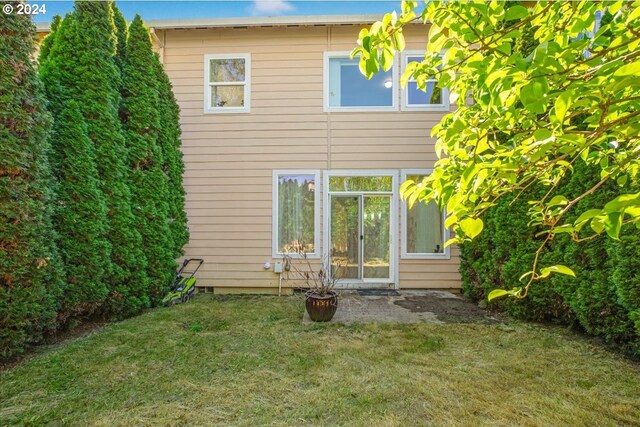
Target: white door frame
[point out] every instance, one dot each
(394, 215)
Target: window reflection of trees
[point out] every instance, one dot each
(425, 232)
(296, 212)
(360, 183)
(227, 71)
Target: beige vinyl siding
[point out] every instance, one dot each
(230, 157)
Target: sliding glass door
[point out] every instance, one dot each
(376, 241)
(360, 236)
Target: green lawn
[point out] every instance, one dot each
(250, 361)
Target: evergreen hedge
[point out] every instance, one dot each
(80, 214)
(604, 299)
(45, 48)
(30, 270)
(81, 67)
(141, 120)
(90, 207)
(122, 32)
(169, 142)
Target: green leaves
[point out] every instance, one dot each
(558, 201)
(559, 269)
(612, 216)
(562, 105)
(548, 96)
(472, 227)
(630, 69)
(516, 12)
(613, 224)
(398, 39)
(497, 293)
(534, 94)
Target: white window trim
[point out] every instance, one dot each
(446, 254)
(405, 92)
(394, 262)
(316, 207)
(247, 84)
(325, 88)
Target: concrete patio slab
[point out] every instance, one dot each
(414, 306)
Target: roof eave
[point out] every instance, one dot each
(263, 21)
(254, 21)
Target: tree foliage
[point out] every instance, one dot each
(45, 47)
(122, 32)
(95, 207)
(81, 67)
(149, 184)
(575, 99)
(30, 270)
(604, 302)
(80, 218)
(169, 142)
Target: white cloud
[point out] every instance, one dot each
(271, 7)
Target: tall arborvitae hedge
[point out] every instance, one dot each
(121, 35)
(141, 120)
(81, 214)
(169, 141)
(30, 271)
(45, 47)
(604, 299)
(81, 67)
(624, 257)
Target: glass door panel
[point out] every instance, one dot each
(376, 230)
(345, 237)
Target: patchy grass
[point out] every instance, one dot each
(250, 361)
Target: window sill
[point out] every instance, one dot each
(294, 256)
(360, 109)
(427, 108)
(443, 256)
(227, 111)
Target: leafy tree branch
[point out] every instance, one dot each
(551, 86)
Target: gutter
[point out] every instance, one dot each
(259, 21)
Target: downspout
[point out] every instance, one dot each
(159, 43)
(328, 113)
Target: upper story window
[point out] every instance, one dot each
(227, 83)
(413, 98)
(346, 89)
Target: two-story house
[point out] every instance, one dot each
(285, 143)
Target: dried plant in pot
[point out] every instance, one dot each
(321, 300)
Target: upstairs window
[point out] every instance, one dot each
(346, 89)
(413, 98)
(228, 88)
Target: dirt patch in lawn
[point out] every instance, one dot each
(52, 340)
(450, 310)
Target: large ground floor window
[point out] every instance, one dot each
(423, 230)
(296, 212)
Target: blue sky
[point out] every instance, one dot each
(225, 9)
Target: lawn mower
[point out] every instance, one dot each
(184, 285)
